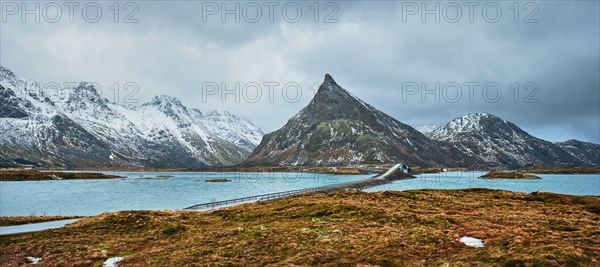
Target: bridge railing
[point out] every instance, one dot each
(362, 184)
(271, 196)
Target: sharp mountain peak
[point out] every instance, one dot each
(329, 79)
(338, 128)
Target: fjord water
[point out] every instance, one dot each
(147, 190)
(572, 184)
(34, 227)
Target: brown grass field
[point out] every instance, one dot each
(409, 228)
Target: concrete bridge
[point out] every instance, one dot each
(356, 185)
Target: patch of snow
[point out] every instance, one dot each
(34, 260)
(112, 262)
(472, 241)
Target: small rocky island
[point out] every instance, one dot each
(508, 175)
(217, 180)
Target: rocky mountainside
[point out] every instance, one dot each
(502, 143)
(588, 153)
(78, 128)
(337, 128)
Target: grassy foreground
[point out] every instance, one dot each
(410, 228)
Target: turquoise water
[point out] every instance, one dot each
(573, 184)
(34, 227)
(145, 191)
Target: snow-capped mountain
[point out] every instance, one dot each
(588, 153)
(426, 129)
(233, 129)
(337, 128)
(77, 128)
(502, 143)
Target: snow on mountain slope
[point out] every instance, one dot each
(233, 129)
(426, 129)
(467, 123)
(77, 127)
(588, 153)
(500, 142)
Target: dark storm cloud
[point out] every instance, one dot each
(372, 51)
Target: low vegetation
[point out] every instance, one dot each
(18, 220)
(409, 228)
(337, 170)
(509, 175)
(30, 175)
(564, 169)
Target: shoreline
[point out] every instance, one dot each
(34, 175)
(34, 227)
(25, 174)
(23, 220)
(341, 169)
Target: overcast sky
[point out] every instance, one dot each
(543, 57)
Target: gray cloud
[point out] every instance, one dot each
(371, 51)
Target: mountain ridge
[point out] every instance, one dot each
(81, 128)
(502, 143)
